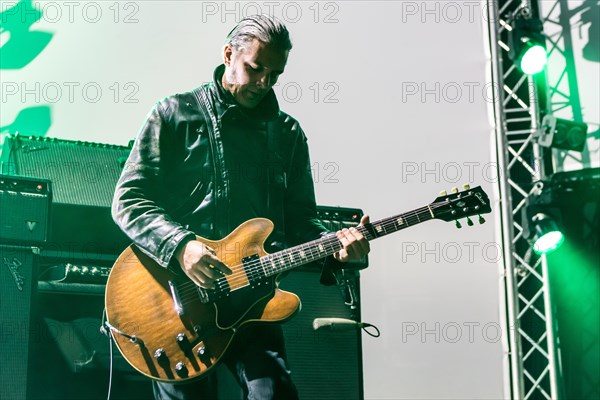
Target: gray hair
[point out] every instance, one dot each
(267, 29)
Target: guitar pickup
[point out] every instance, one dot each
(253, 269)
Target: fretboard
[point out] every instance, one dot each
(329, 244)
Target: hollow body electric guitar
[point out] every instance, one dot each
(171, 330)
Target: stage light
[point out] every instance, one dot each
(527, 44)
(542, 218)
(547, 237)
(562, 134)
(533, 58)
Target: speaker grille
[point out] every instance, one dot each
(17, 269)
(325, 364)
(82, 173)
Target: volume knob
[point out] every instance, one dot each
(160, 354)
(181, 369)
(182, 341)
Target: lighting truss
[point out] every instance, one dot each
(530, 346)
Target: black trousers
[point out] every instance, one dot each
(257, 359)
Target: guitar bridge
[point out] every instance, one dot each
(203, 295)
(208, 295)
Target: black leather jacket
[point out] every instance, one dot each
(173, 185)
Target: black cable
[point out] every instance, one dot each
(110, 351)
(375, 330)
(110, 368)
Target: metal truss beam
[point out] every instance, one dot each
(530, 346)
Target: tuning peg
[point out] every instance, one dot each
(454, 190)
(443, 193)
(466, 186)
(469, 222)
(481, 220)
(458, 225)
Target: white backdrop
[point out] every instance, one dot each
(393, 98)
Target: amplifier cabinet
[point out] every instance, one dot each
(326, 365)
(82, 173)
(84, 176)
(18, 269)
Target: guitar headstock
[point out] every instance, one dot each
(461, 204)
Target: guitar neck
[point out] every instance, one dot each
(296, 256)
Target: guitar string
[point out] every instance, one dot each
(243, 277)
(239, 276)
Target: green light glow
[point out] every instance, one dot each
(533, 60)
(548, 242)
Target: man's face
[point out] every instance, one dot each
(251, 71)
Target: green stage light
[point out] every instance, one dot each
(533, 58)
(548, 236)
(527, 44)
(549, 242)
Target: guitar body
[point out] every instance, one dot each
(169, 332)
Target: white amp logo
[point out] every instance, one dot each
(14, 266)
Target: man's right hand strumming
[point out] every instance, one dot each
(200, 264)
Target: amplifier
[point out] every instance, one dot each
(326, 365)
(84, 176)
(82, 173)
(18, 291)
(25, 209)
(88, 273)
